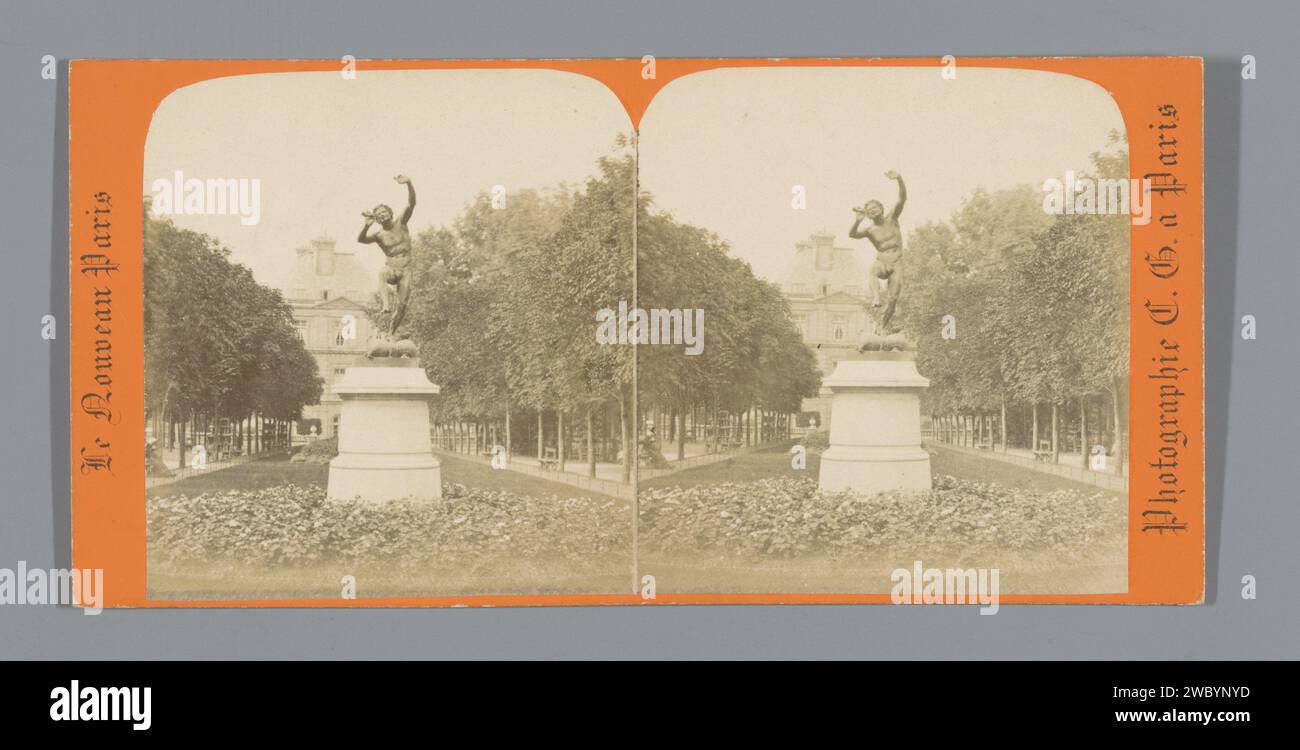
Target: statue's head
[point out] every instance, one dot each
(382, 213)
(874, 209)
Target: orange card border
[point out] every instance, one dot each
(111, 105)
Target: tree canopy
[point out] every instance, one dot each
(1039, 303)
(505, 301)
(216, 342)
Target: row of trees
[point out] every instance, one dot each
(504, 307)
(754, 370)
(1036, 348)
(222, 358)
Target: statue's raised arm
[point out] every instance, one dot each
(402, 179)
(902, 193)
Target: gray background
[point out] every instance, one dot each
(1251, 269)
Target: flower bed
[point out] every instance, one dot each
(294, 525)
(788, 517)
(771, 518)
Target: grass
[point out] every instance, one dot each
(775, 461)
(744, 467)
(599, 576)
(711, 574)
(258, 474)
(247, 476)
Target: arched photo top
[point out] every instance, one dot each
(324, 148)
(726, 148)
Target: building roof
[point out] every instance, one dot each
(323, 272)
(820, 269)
(333, 303)
(834, 298)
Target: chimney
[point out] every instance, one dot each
(324, 247)
(824, 242)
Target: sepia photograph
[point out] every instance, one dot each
(378, 377)
(912, 362)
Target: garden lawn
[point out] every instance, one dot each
(258, 474)
(775, 462)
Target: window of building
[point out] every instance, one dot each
(349, 325)
(837, 328)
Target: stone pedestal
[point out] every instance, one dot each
(875, 436)
(384, 448)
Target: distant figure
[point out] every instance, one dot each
(1097, 458)
(395, 240)
(885, 234)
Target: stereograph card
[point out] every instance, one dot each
(411, 333)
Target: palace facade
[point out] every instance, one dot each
(328, 293)
(826, 287)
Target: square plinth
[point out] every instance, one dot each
(875, 436)
(385, 452)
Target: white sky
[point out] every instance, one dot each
(720, 149)
(326, 148)
(723, 149)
